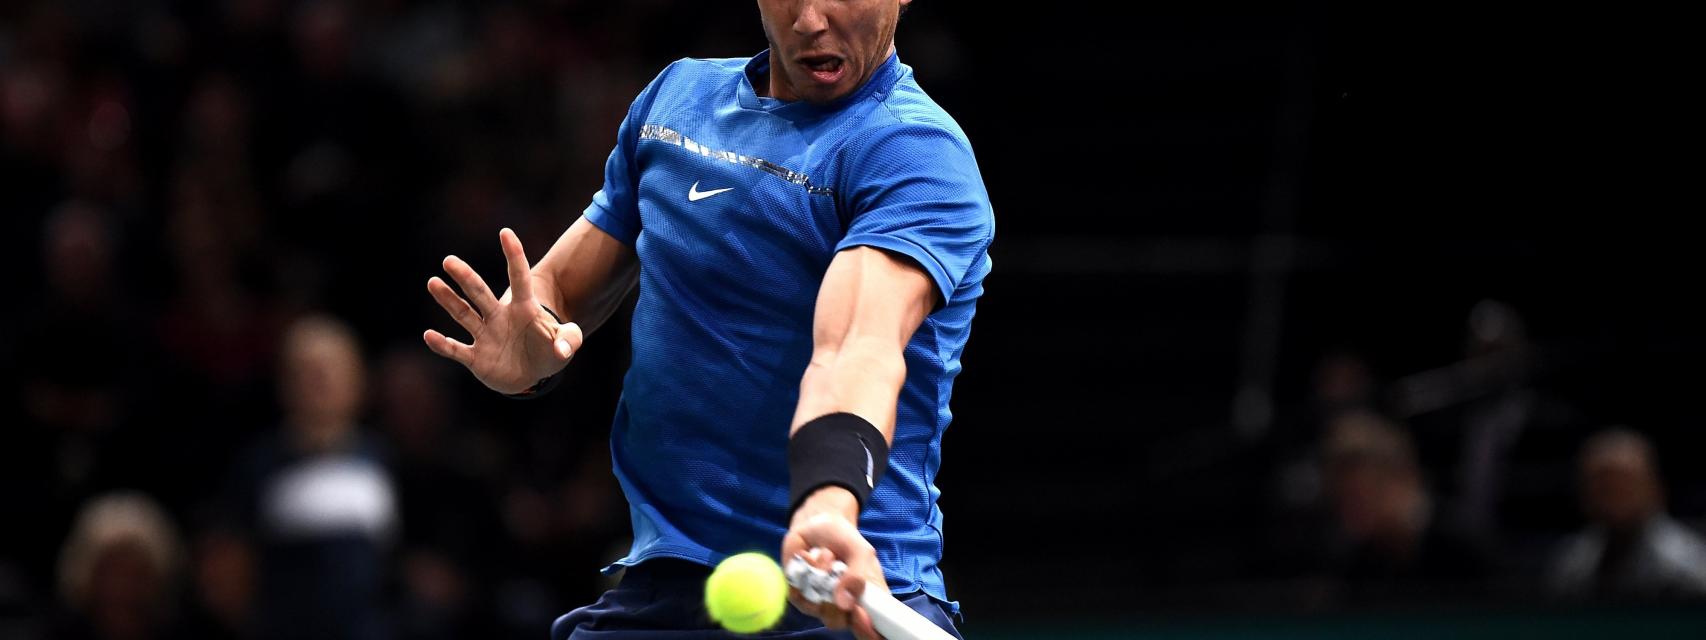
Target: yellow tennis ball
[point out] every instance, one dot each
(747, 593)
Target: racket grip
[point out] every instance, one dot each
(895, 621)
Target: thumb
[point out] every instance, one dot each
(567, 341)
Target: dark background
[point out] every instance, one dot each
(1191, 202)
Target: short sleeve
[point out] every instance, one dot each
(916, 190)
(616, 206)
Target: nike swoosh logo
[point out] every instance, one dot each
(695, 195)
(870, 466)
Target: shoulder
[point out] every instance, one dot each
(686, 73)
(1575, 558)
(905, 123)
(908, 104)
(1580, 547)
(1679, 544)
(371, 448)
(685, 83)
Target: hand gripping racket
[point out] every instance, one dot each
(894, 620)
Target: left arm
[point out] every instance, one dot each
(870, 303)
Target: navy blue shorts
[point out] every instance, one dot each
(666, 599)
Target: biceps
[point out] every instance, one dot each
(870, 298)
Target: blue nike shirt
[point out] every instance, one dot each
(735, 204)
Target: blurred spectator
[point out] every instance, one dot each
(224, 587)
(1632, 548)
(36, 94)
(1398, 551)
(119, 569)
(1342, 383)
(451, 529)
(1299, 517)
(1492, 388)
(78, 325)
(216, 334)
(98, 143)
(72, 365)
(315, 500)
(215, 326)
(1501, 360)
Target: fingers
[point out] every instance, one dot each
(847, 594)
(568, 340)
(461, 353)
(832, 617)
(454, 305)
(863, 628)
(848, 591)
(520, 276)
(822, 541)
(793, 544)
(472, 285)
(833, 614)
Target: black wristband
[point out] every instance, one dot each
(547, 383)
(542, 387)
(838, 449)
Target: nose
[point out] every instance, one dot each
(811, 20)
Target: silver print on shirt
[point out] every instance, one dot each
(661, 133)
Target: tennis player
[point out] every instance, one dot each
(809, 233)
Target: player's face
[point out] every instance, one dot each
(821, 50)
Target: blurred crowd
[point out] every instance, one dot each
(219, 220)
(1464, 484)
(219, 421)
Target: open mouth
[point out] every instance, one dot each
(826, 68)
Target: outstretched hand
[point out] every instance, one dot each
(516, 342)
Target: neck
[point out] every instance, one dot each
(318, 434)
(776, 87)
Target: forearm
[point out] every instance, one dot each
(575, 302)
(585, 275)
(869, 305)
(862, 377)
(862, 380)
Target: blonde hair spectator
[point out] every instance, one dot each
(127, 521)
